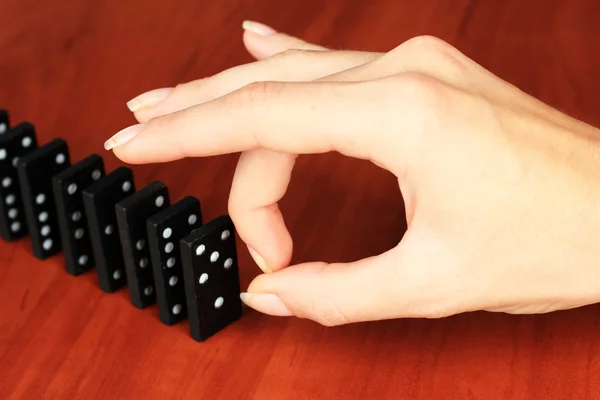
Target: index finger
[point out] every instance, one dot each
(299, 118)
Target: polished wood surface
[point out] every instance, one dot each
(69, 66)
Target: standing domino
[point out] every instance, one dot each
(132, 214)
(17, 142)
(4, 121)
(165, 230)
(211, 275)
(35, 171)
(74, 232)
(100, 199)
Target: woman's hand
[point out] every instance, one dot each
(501, 191)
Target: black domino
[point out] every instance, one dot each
(4, 121)
(14, 144)
(132, 214)
(165, 230)
(211, 275)
(75, 236)
(99, 200)
(35, 171)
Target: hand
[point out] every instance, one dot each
(501, 191)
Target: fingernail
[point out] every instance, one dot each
(259, 260)
(148, 99)
(123, 136)
(258, 28)
(266, 303)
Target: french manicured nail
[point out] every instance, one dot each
(259, 260)
(258, 28)
(123, 136)
(148, 99)
(266, 303)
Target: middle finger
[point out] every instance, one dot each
(290, 66)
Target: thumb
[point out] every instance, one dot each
(262, 41)
(331, 294)
(416, 279)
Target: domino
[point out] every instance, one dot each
(35, 171)
(211, 276)
(165, 230)
(132, 214)
(17, 142)
(4, 121)
(75, 237)
(99, 201)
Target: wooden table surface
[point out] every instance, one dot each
(69, 66)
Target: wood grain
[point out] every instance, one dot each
(69, 66)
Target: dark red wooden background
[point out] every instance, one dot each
(69, 66)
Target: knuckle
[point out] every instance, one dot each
(250, 105)
(292, 54)
(320, 307)
(426, 44)
(325, 312)
(181, 87)
(166, 123)
(430, 53)
(184, 89)
(232, 205)
(252, 96)
(427, 95)
(425, 104)
(236, 204)
(172, 123)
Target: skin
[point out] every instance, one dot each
(501, 190)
